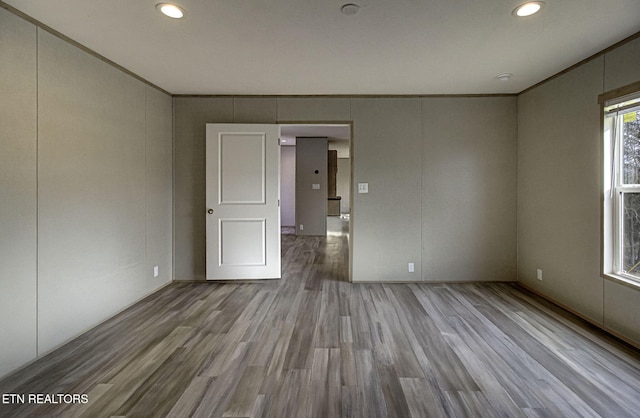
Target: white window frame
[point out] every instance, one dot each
(614, 189)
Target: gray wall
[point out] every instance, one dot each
(387, 154)
(469, 203)
(559, 180)
(311, 204)
(396, 141)
(18, 188)
(87, 207)
(288, 186)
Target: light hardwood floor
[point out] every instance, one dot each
(313, 345)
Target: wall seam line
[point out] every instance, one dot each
(146, 191)
(422, 192)
(37, 193)
(517, 266)
(604, 74)
(173, 189)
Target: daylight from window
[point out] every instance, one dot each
(624, 132)
(631, 200)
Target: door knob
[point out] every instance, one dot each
(210, 211)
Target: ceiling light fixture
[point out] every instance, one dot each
(528, 9)
(349, 9)
(171, 10)
(504, 77)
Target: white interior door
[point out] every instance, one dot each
(243, 201)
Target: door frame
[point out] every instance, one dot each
(352, 199)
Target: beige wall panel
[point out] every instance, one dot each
(559, 189)
(386, 221)
(91, 162)
(622, 65)
(622, 310)
(469, 189)
(288, 186)
(190, 117)
(17, 191)
(254, 110)
(159, 186)
(308, 109)
(311, 204)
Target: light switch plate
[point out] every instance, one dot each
(363, 187)
(315, 186)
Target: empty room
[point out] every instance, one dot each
(320, 209)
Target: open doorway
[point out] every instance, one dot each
(316, 179)
(247, 202)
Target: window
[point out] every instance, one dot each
(622, 190)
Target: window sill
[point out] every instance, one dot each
(634, 284)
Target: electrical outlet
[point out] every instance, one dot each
(411, 267)
(155, 271)
(301, 227)
(539, 274)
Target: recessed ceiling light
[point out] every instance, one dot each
(504, 77)
(528, 9)
(171, 10)
(349, 9)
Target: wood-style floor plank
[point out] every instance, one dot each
(314, 345)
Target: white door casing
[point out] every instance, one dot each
(242, 196)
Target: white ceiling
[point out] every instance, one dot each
(309, 48)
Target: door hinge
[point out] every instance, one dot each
(278, 202)
(279, 142)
